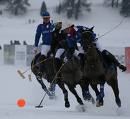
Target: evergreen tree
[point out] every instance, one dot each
(18, 7)
(125, 7)
(70, 8)
(3, 1)
(43, 8)
(111, 3)
(73, 8)
(58, 8)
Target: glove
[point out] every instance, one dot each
(35, 50)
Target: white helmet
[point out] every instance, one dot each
(66, 25)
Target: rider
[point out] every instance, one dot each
(106, 54)
(65, 40)
(57, 47)
(45, 29)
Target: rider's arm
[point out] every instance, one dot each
(38, 34)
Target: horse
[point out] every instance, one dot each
(97, 70)
(72, 76)
(48, 73)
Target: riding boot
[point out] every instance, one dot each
(111, 58)
(81, 57)
(40, 64)
(58, 64)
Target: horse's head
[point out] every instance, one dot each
(88, 40)
(91, 53)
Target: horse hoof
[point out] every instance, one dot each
(118, 102)
(97, 103)
(87, 96)
(51, 97)
(119, 105)
(101, 103)
(67, 104)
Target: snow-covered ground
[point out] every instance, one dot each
(12, 87)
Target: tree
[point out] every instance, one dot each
(43, 8)
(18, 7)
(73, 8)
(125, 7)
(3, 1)
(111, 3)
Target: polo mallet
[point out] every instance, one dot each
(40, 106)
(22, 73)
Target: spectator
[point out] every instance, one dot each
(16, 42)
(25, 43)
(11, 42)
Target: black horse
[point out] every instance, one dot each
(48, 73)
(97, 70)
(72, 76)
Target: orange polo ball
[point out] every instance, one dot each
(21, 103)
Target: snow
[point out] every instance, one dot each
(13, 87)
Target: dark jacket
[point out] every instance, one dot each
(58, 40)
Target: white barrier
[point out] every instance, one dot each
(22, 54)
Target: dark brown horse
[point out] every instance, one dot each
(72, 76)
(96, 70)
(48, 73)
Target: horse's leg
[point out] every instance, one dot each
(85, 90)
(43, 86)
(102, 83)
(72, 89)
(114, 85)
(99, 99)
(52, 90)
(94, 87)
(65, 92)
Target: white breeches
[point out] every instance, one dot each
(59, 52)
(45, 49)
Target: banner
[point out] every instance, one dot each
(127, 58)
(9, 53)
(20, 55)
(30, 54)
